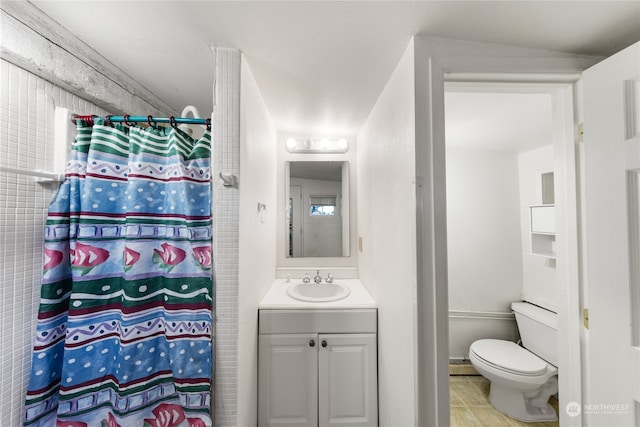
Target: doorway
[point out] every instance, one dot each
(504, 148)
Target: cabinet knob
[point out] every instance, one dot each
(324, 343)
(312, 343)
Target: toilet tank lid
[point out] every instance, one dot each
(534, 312)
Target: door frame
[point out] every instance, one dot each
(565, 145)
(437, 61)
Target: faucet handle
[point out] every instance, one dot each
(306, 278)
(329, 278)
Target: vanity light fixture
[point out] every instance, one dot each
(316, 145)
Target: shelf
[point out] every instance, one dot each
(543, 230)
(543, 219)
(550, 255)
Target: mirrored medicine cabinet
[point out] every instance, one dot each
(317, 209)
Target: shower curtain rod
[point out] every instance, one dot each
(126, 119)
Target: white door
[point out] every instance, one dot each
(611, 259)
(295, 225)
(347, 380)
(288, 380)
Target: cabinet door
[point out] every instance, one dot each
(288, 380)
(347, 380)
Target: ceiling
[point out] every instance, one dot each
(320, 65)
(328, 171)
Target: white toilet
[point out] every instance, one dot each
(522, 379)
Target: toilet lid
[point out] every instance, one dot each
(509, 356)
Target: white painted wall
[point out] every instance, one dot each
(257, 259)
(539, 274)
(483, 243)
(483, 230)
(387, 226)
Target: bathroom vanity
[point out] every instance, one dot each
(317, 361)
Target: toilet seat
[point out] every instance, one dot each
(509, 357)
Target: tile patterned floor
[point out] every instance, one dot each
(470, 405)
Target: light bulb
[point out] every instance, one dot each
(342, 143)
(291, 143)
(324, 143)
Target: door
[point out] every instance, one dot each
(288, 380)
(611, 259)
(295, 222)
(347, 380)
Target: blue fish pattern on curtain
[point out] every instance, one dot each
(124, 334)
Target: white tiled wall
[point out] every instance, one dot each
(27, 105)
(226, 209)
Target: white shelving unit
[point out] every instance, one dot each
(543, 230)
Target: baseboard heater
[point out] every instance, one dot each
(486, 315)
(467, 325)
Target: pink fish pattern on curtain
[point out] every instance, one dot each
(124, 335)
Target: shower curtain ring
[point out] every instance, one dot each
(86, 119)
(150, 120)
(172, 121)
(208, 121)
(125, 119)
(107, 120)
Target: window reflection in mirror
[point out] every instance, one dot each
(548, 188)
(317, 215)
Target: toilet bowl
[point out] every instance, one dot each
(521, 381)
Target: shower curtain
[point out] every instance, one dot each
(124, 334)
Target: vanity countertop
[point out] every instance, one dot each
(277, 298)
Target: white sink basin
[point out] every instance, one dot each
(323, 292)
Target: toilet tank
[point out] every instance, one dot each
(538, 330)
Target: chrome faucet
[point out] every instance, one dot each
(318, 278)
(306, 278)
(329, 278)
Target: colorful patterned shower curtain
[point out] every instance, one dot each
(124, 334)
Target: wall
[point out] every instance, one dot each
(483, 230)
(483, 244)
(27, 105)
(225, 212)
(257, 238)
(539, 274)
(387, 227)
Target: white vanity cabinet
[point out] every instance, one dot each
(317, 368)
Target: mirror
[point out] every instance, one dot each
(317, 210)
(547, 188)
